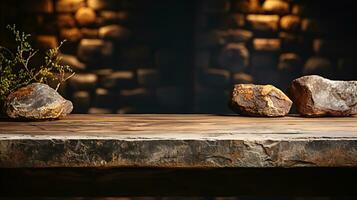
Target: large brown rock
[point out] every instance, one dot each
(37, 101)
(316, 96)
(259, 100)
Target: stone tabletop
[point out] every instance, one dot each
(179, 141)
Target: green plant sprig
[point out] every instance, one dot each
(15, 69)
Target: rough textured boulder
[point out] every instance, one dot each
(37, 101)
(316, 96)
(259, 100)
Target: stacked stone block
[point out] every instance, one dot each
(95, 31)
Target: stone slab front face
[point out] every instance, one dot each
(179, 141)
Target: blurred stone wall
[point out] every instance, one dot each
(158, 56)
(270, 42)
(130, 56)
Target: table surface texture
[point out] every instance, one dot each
(179, 141)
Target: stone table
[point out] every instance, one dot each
(94, 155)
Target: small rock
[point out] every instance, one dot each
(259, 100)
(316, 96)
(37, 101)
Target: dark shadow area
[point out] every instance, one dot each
(89, 182)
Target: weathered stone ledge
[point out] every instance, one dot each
(179, 141)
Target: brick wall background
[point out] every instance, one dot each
(270, 42)
(130, 56)
(183, 56)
